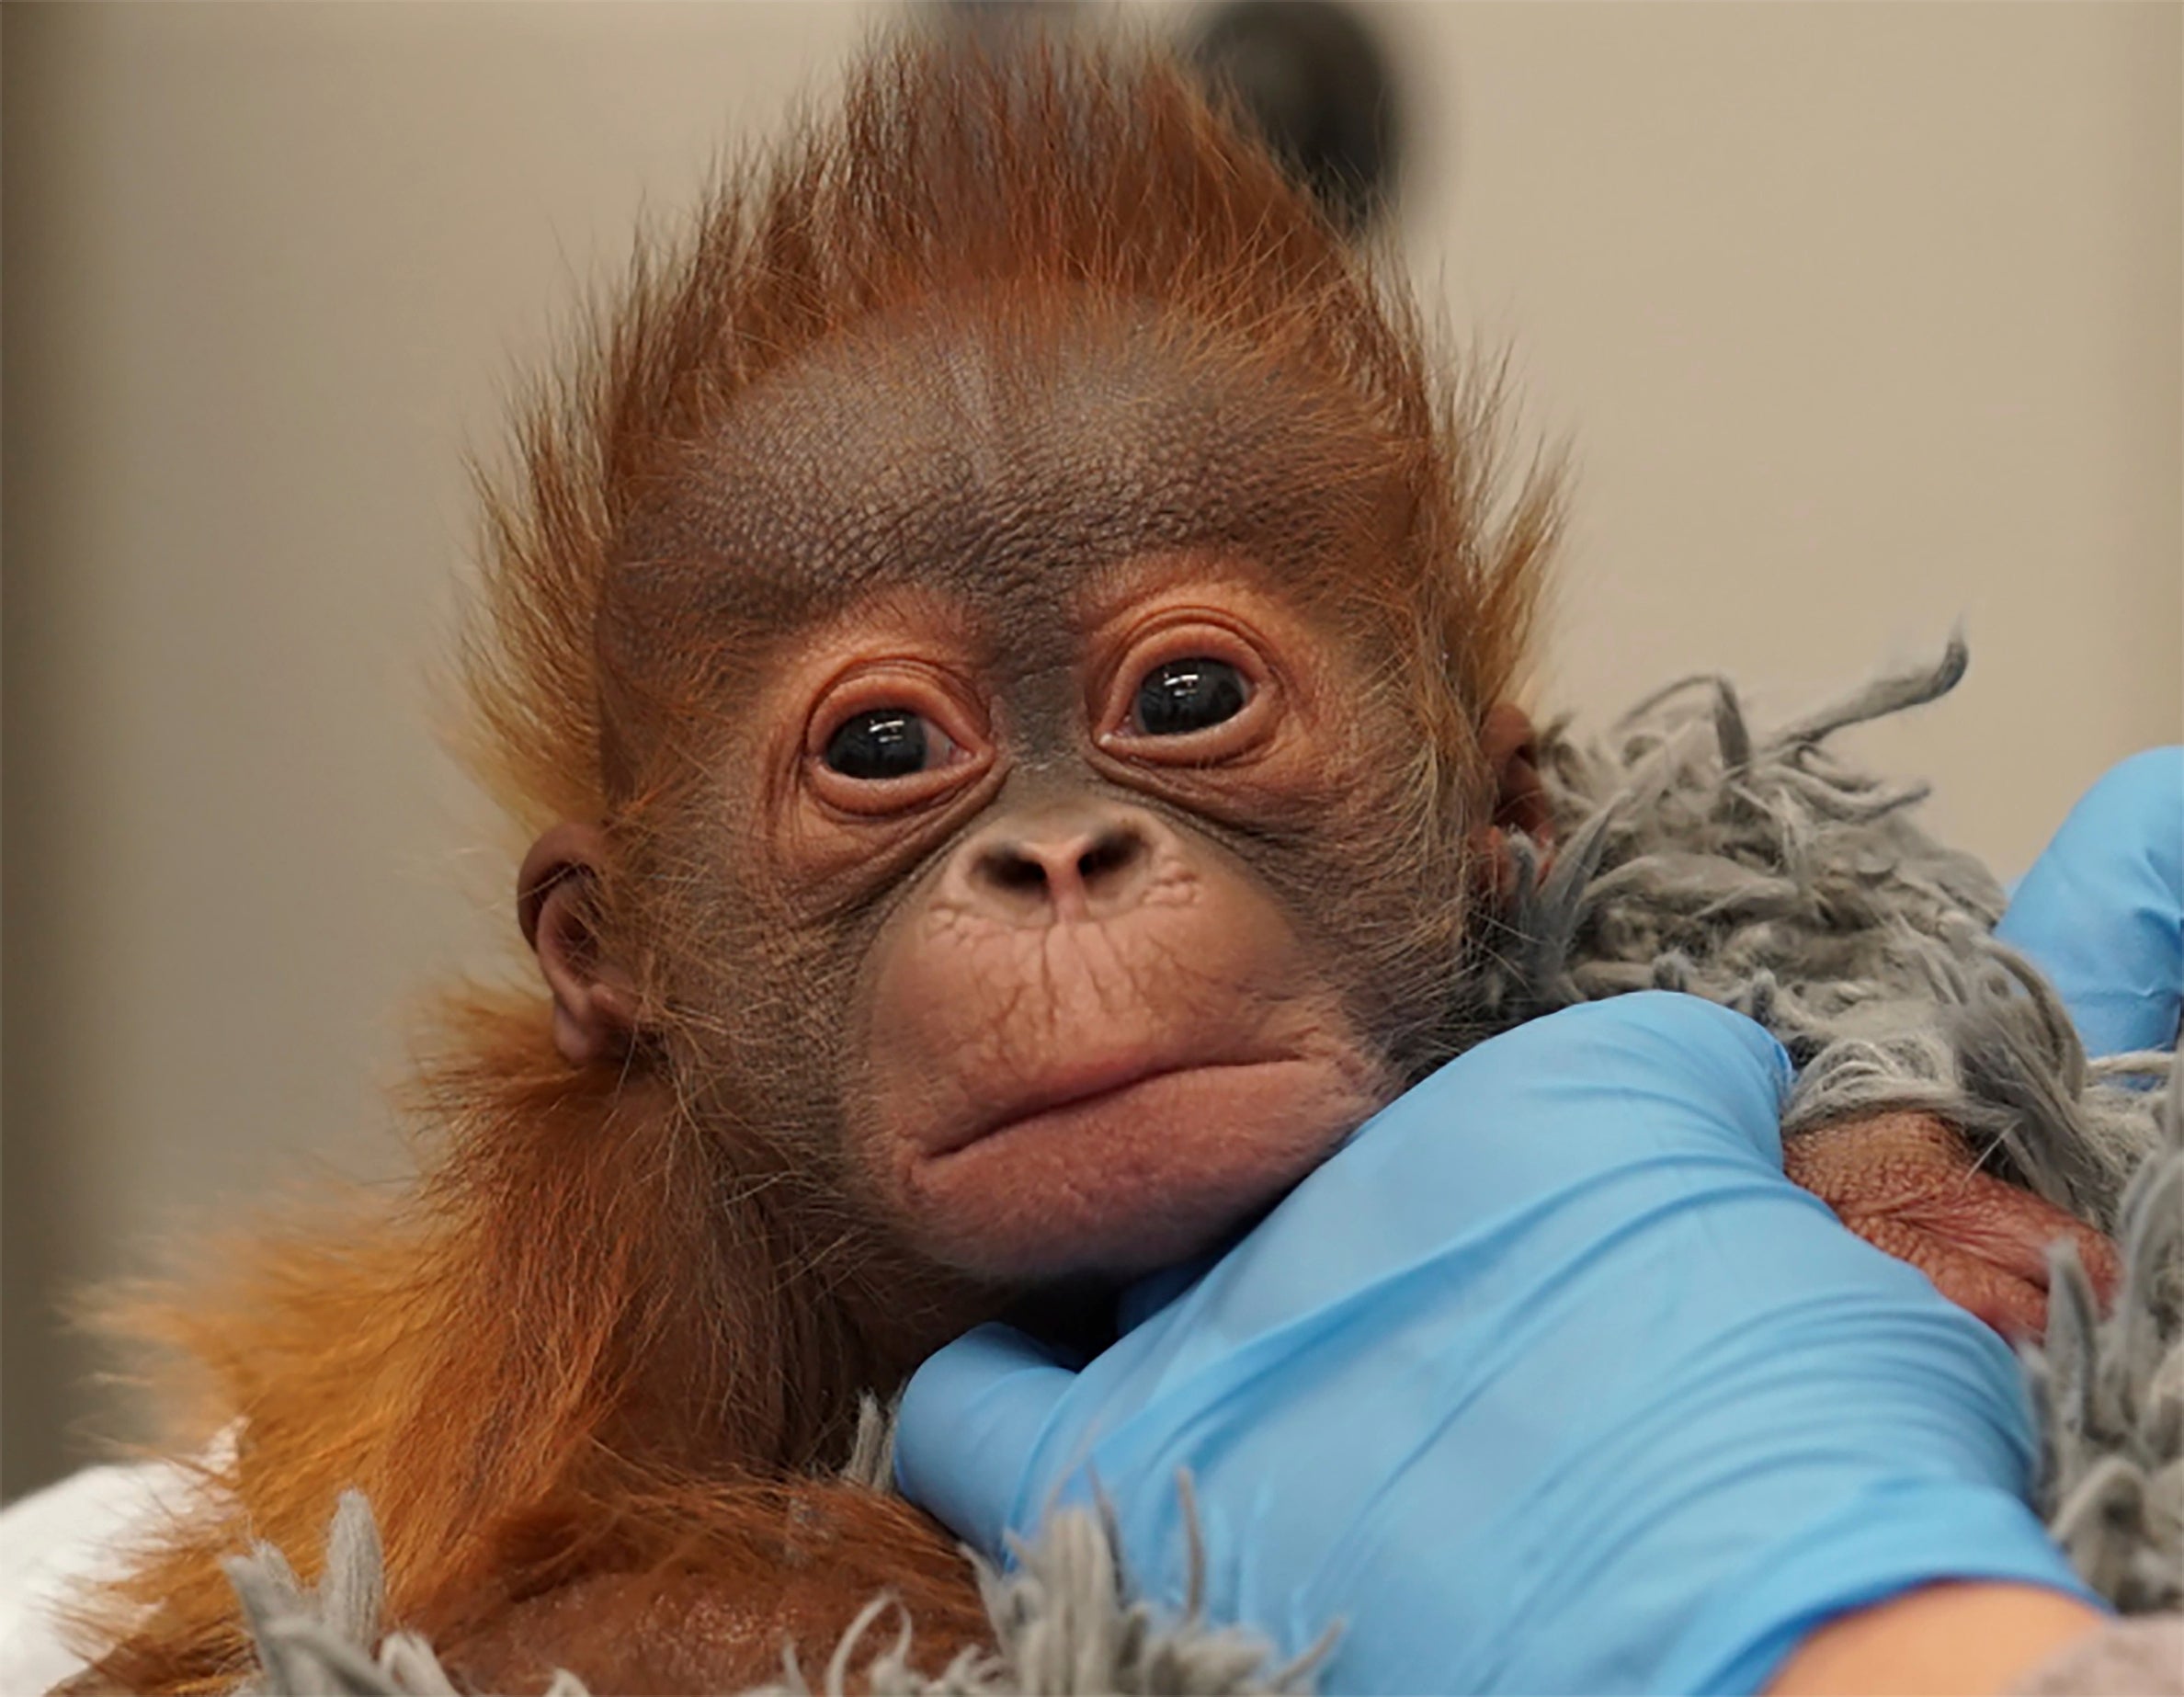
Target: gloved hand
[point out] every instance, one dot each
(2102, 910)
(1546, 1381)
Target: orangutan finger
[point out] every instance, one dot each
(2009, 1227)
(2012, 1304)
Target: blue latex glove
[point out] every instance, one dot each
(1548, 1380)
(2102, 910)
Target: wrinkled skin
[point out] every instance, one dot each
(1096, 1037)
(1908, 1183)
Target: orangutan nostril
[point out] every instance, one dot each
(1111, 853)
(1010, 868)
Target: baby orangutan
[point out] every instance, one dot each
(1006, 647)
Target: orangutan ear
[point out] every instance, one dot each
(594, 1004)
(1511, 747)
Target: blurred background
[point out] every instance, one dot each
(1858, 321)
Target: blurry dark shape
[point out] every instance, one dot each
(997, 22)
(1312, 76)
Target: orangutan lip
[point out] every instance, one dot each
(1079, 1090)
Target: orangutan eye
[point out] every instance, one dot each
(1187, 695)
(889, 742)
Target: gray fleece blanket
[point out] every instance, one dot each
(1762, 871)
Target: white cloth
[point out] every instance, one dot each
(72, 1531)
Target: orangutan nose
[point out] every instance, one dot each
(1068, 867)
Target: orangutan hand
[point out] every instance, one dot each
(706, 1596)
(1908, 1183)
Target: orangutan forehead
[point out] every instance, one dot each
(999, 463)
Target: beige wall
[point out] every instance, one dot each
(1863, 320)
(1860, 320)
